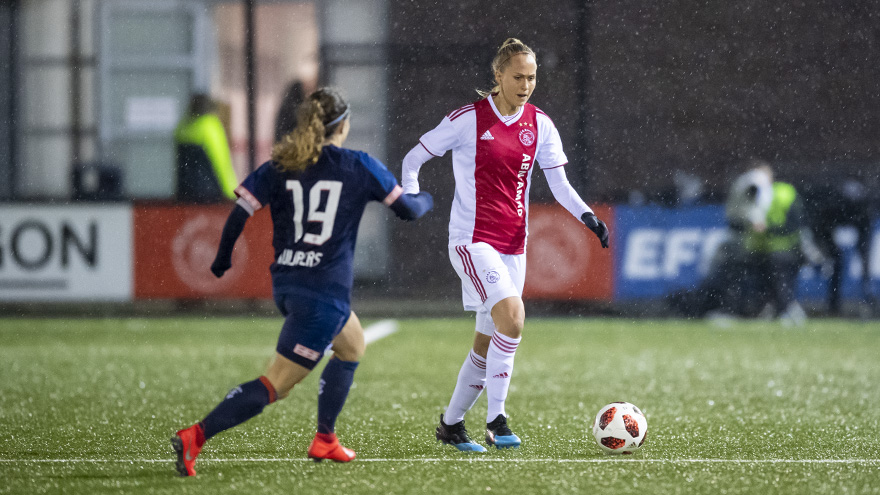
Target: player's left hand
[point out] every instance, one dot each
(219, 267)
(597, 226)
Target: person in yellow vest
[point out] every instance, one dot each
(204, 162)
(775, 242)
(754, 272)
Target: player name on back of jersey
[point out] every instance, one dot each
(308, 259)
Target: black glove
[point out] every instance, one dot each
(219, 266)
(597, 226)
(231, 230)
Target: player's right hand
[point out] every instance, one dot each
(597, 226)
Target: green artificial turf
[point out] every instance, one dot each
(88, 405)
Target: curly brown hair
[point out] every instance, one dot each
(317, 118)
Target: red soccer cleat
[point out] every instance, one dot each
(327, 446)
(188, 443)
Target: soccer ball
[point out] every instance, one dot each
(620, 428)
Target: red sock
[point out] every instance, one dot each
(200, 435)
(326, 437)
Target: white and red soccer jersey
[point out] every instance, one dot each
(492, 159)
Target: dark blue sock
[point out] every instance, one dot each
(335, 383)
(241, 404)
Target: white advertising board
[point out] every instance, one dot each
(65, 253)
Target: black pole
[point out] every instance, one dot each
(75, 82)
(582, 82)
(11, 136)
(251, 82)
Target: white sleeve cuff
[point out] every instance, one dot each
(247, 200)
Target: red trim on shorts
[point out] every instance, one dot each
(471, 272)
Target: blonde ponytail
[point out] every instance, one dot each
(506, 51)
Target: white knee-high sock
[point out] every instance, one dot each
(499, 368)
(470, 384)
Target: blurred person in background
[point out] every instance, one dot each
(317, 192)
(754, 272)
(835, 203)
(776, 240)
(495, 142)
(204, 162)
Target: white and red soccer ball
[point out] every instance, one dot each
(620, 428)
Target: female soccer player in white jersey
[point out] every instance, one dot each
(495, 143)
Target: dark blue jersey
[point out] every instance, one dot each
(315, 215)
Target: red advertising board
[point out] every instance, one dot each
(174, 246)
(564, 259)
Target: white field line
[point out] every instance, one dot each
(379, 330)
(372, 333)
(462, 459)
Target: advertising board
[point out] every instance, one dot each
(175, 246)
(564, 259)
(659, 250)
(65, 253)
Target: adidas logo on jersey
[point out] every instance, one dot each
(486, 136)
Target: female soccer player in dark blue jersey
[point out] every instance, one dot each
(316, 191)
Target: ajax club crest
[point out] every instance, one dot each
(526, 137)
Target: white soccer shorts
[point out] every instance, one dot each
(487, 277)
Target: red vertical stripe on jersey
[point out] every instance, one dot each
(501, 173)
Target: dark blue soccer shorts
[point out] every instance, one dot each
(309, 327)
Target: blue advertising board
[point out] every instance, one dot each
(659, 250)
(813, 283)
